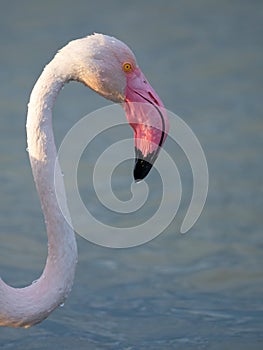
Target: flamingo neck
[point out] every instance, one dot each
(30, 305)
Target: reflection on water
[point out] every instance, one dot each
(202, 290)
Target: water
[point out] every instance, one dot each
(202, 290)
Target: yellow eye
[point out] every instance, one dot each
(127, 67)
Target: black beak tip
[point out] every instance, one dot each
(141, 169)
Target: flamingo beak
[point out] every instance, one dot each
(143, 164)
(146, 114)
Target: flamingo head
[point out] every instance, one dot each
(109, 67)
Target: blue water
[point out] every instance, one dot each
(202, 290)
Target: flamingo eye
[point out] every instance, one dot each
(127, 67)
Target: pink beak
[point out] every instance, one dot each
(146, 114)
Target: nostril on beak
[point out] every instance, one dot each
(153, 98)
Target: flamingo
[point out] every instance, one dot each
(108, 66)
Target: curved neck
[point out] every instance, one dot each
(30, 305)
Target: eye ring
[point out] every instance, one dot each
(127, 67)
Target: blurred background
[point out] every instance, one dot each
(202, 290)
